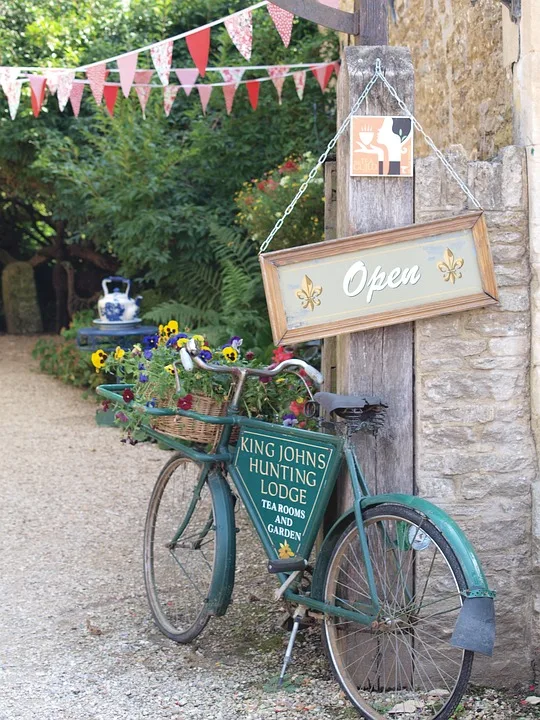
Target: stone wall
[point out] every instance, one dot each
(463, 89)
(475, 452)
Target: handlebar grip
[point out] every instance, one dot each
(186, 359)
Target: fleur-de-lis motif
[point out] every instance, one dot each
(450, 266)
(309, 293)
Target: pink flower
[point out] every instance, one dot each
(280, 354)
(297, 407)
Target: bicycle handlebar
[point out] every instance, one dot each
(189, 355)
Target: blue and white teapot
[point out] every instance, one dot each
(116, 306)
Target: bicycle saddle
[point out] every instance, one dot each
(347, 404)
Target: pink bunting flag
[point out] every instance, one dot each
(283, 20)
(300, 82)
(169, 96)
(96, 77)
(12, 88)
(233, 75)
(198, 44)
(277, 74)
(143, 77)
(337, 67)
(240, 29)
(187, 78)
(162, 59)
(228, 93)
(204, 93)
(37, 92)
(127, 66)
(64, 85)
(323, 73)
(52, 77)
(110, 93)
(75, 96)
(143, 93)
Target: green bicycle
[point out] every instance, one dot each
(403, 599)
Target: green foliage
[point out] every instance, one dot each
(262, 202)
(62, 358)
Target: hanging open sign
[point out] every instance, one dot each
(378, 279)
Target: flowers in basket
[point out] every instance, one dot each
(150, 368)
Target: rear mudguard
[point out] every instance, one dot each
(475, 627)
(221, 587)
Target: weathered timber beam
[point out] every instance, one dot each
(338, 20)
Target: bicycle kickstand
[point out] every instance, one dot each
(298, 617)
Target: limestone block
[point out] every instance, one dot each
(485, 183)
(509, 220)
(19, 296)
(474, 385)
(517, 273)
(497, 323)
(507, 253)
(514, 299)
(514, 177)
(451, 347)
(514, 345)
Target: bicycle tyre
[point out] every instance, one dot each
(425, 669)
(178, 596)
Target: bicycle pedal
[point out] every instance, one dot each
(287, 565)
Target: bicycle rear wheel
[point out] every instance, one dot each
(179, 549)
(401, 666)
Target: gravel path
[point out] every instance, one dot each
(76, 638)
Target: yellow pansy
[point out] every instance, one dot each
(280, 380)
(199, 339)
(98, 359)
(119, 353)
(181, 342)
(169, 369)
(230, 354)
(285, 550)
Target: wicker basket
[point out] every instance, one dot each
(187, 428)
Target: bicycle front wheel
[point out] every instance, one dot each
(402, 665)
(179, 549)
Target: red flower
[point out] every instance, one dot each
(128, 395)
(250, 355)
(302, 424)
(261, 185)
(297, 407)
(280, 354)
(271, 184)
(289, 166)
(185, 403)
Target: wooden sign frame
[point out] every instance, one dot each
(273, 261)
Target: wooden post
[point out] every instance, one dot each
(378, 362)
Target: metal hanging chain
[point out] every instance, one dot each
(377, 75)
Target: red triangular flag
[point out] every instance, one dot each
(204, 93)
(337, 67)
(75, 96)
(96, 77)
(323, 73)
(198, 44)
(187, 78)
(127, 66)
(283, 20)
(253, 88)
(228, 92)
(110, 93)
(37, 92)
(143, 93)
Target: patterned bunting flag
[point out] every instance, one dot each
(143, 77)
(169, 96)
(127, 67)
(75, 96)
(162, 59)
(283, 20)
(96, 77)
(300, 82)
(187, 78)
(110, 93)
(253, 88)
(240, 29)
(204, 93)
(143, 93)
(228, 93)
(198, 44)
(233, 75)
(52, 76)
(64, 85)
(277, 74)
(12, 88)
(37, 92)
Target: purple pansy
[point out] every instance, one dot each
(148, 354)
(150, 341)
(143, 377)
(289, 420)
(206, 355)
(171, 342)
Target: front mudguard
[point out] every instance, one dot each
(221, 587)
(475, 627)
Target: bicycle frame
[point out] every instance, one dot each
(305, 461)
